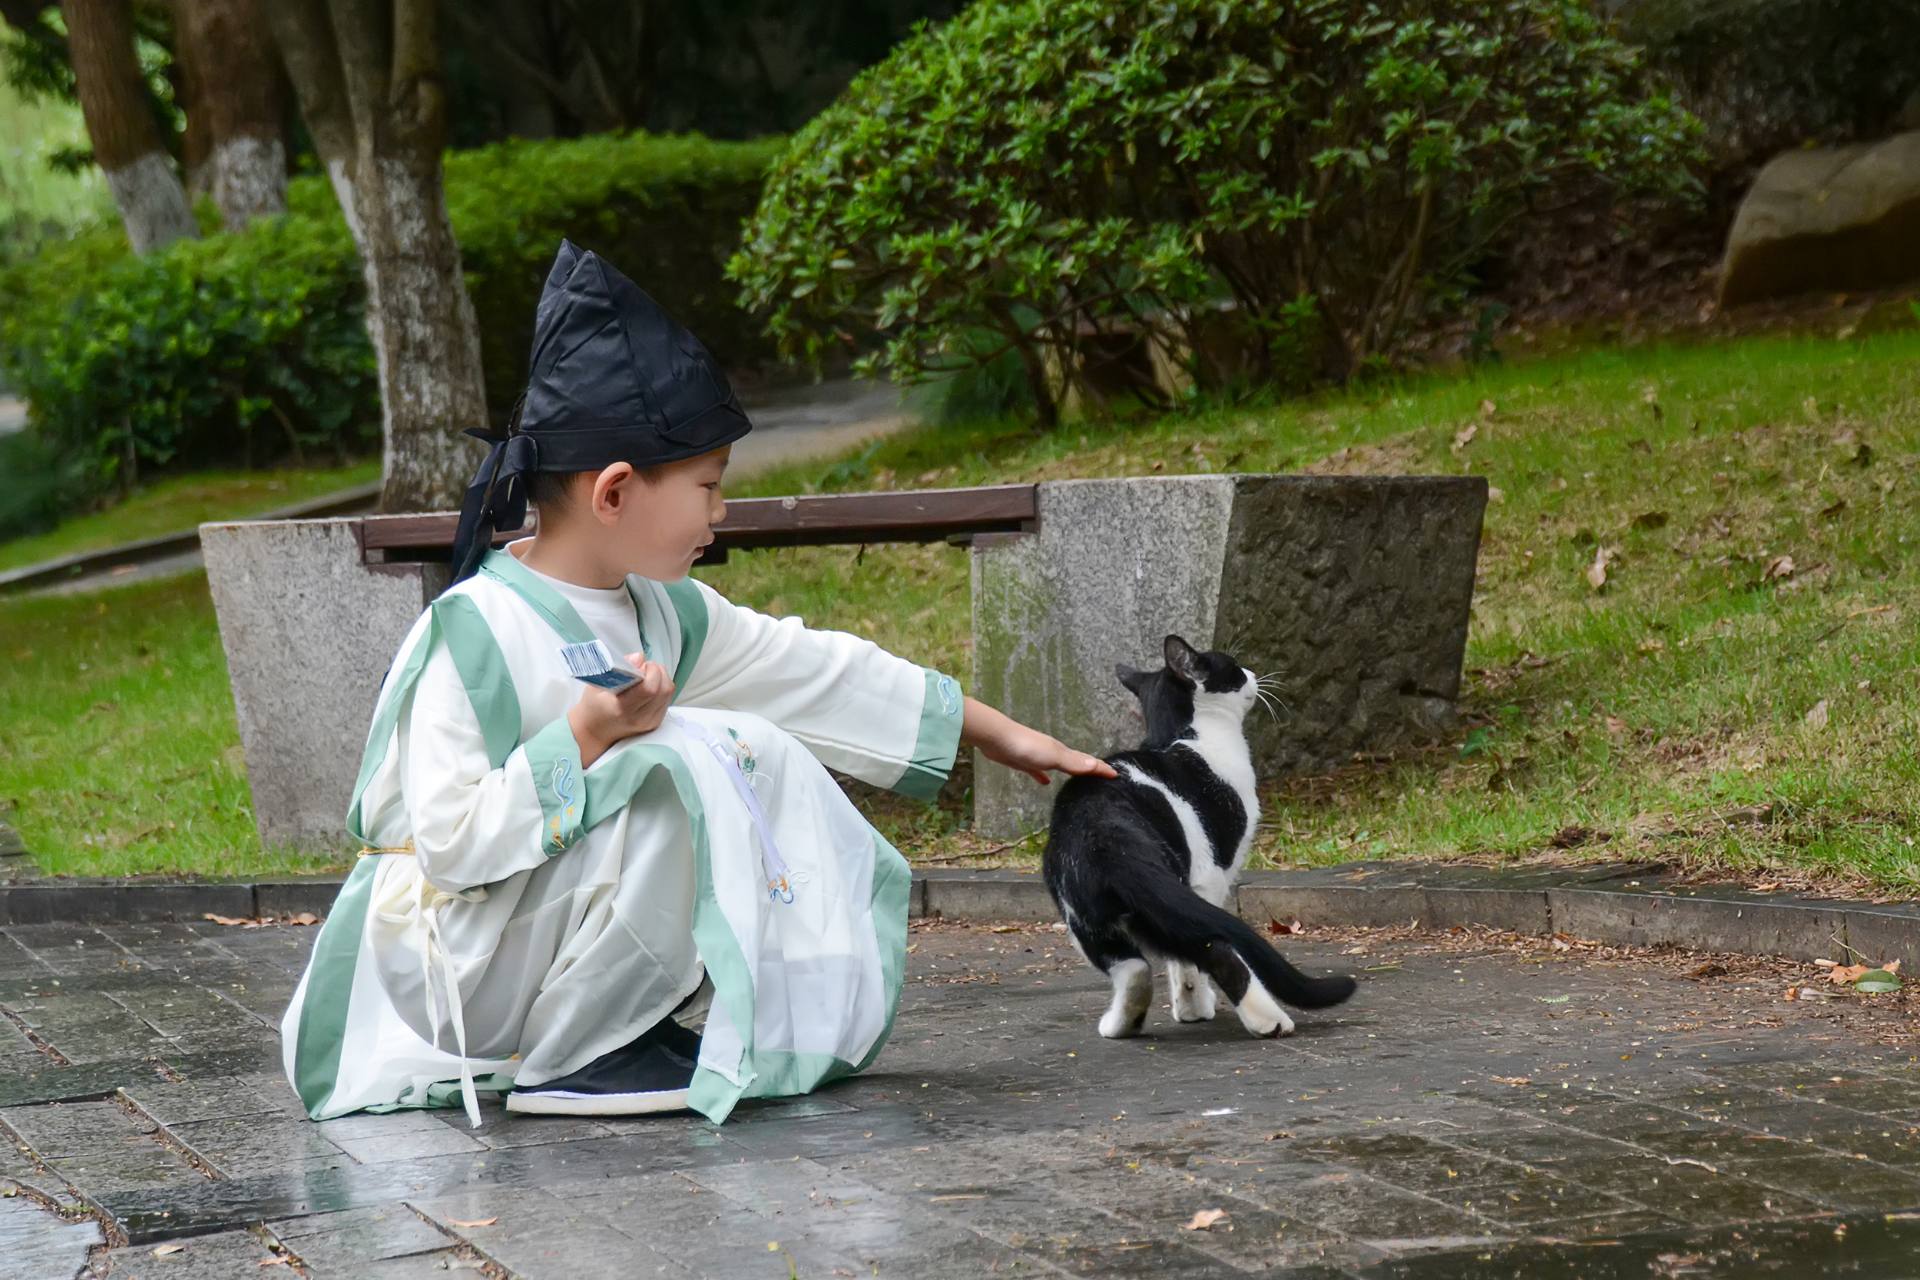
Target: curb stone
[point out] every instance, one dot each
(1619, 904)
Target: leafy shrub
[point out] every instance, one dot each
(1245, 185)
(251, 347)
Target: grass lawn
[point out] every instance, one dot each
(1712, 705)
(180, 503)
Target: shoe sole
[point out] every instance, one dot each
(562, 1103)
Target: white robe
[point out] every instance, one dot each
(516, 916)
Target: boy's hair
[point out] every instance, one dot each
(550, 490)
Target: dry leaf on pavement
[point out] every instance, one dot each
(1204, 1220)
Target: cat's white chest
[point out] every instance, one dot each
(1221, 742)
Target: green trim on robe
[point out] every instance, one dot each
(559, 779)
(483, 670)
(548, 603)
(691, 607)
(323, 1015)
(942, 713)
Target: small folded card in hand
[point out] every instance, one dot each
(590, 662)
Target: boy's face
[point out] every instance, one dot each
(656, 525)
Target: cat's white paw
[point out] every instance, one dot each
(1117, 1025)
(1261, 1014)
(1192, 994)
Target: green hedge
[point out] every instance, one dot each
(249, 348)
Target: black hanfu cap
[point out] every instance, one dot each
(613, 378)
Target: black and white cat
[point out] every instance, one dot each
(1141, 865)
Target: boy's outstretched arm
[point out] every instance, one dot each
(1006, 741)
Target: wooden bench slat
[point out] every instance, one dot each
(914, 515)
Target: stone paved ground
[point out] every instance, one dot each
(1486, 1107)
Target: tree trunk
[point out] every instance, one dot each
(426, 340)
(126, 144)
(235, 150)
(368, 79)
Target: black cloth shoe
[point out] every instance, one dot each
(643, 1078)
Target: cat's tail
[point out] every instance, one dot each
(1166, 916)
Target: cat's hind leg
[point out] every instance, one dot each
(1259, 1012)
(1132, 994)
(1192, 992)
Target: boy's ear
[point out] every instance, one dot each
(608, 492)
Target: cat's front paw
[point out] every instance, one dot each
(1118, 1025)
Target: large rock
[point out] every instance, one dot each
(1353, 590)
(1828, 218)
(309, 630)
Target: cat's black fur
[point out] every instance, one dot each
(1119, 865)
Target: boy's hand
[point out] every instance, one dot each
(1006, 741)
(602, 717)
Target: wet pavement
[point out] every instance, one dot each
(1486, 1107)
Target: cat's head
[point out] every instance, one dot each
(1192, 685)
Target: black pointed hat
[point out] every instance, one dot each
(613, 378)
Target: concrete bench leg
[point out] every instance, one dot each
(309, 631)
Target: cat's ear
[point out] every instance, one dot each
(1132, 677)
(1183, 661)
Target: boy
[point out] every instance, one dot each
(554, 870)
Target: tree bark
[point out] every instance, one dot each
(367, 76)
(126, 145)
(234, 149)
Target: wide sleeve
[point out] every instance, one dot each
(474, 822)
(856, 707)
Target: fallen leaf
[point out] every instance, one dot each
(1877, 982)
(282, 1261)
(1615, 726)
(305, 917)
(1778, 567)
(1767, 887)
(1516, 1081)
(229, 920)
(1464, 437)
(1891, 966)
(1597, 571)
(1204, 1220)
(1817, 718)
(1005, 928)
(166, 1249)
(1571, 836)
(945, 1199)
(1496, 494)
(1279, 928)
(1711, 969)
(477, 1222)
(1553, 999)
(1842, 974)
(1793, 993)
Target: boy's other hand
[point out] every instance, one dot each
(602, 717)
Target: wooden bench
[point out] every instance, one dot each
(956, 516)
